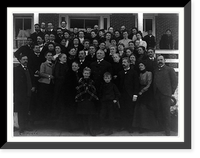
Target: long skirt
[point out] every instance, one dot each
(144, 117)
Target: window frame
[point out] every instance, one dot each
(21, 16)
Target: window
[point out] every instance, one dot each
(147, 24)
(82, 23)
(22, 30)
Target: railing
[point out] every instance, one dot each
(18, 42)
(169, 60)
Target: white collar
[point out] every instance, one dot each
(38, 54)
(49, 62)
(100, 59)
(127, 69)
(23, 66)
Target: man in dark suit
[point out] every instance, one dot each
(25, 49)
(165, 84)
(150, 39)
(23, 88)
(50, 29)
(98, 68)
(151, 62)
(83, 62)
(37, 32)
(63, 25)
(91, 54)
(43, 27)
(35, 59)
(129, 87)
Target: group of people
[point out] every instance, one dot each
(95, 80)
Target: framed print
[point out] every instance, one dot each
(72, 83)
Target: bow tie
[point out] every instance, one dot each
(37, 54)
(126, 70)
(98, 61)
(25, 68)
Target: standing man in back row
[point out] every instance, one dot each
(165, 84)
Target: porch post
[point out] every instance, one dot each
(140, 22)
(36, 18)
(101, 22)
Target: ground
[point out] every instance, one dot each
(41, 130)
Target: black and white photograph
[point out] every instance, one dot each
(96, 75)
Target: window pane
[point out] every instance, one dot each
(148, 24)
(79, 23)
(18, 26)
(91, 22)
(27, 24)
(62, 18)
(22, 30)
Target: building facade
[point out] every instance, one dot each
(23, 24)
(158, 23)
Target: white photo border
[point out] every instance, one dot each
(10, 134)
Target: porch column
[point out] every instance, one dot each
(101, 23)
(140, 22)
(36, 18)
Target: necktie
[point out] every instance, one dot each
(98, 61)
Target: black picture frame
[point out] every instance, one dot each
(187, 144)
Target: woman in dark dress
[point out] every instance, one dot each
(71, 57)
(144, 118)
(86, 95)
(60, 73)
(72, 118)
(116, 67)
